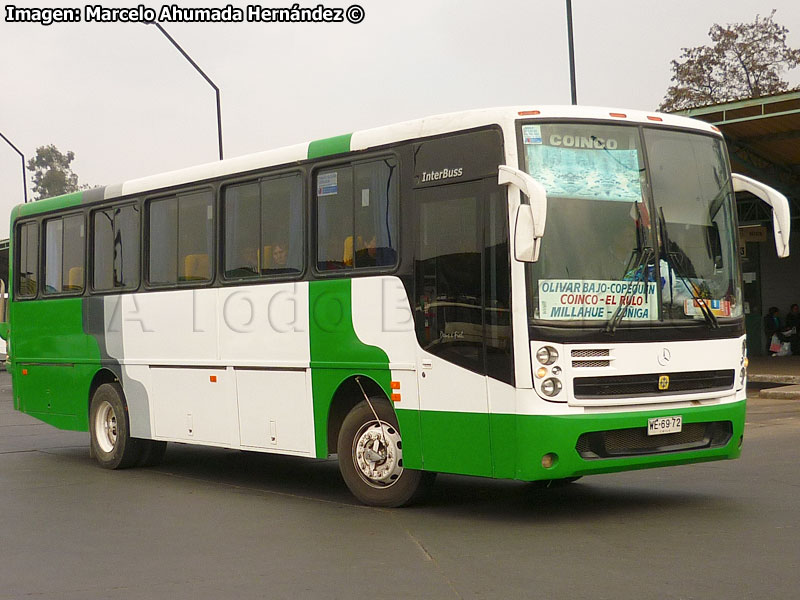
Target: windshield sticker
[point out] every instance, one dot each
(586, 173)
(531, 134)
(328, 184)
(589, 299)
(719, 308)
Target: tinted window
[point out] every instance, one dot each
(116, 248)
(181, 238)
(335, 219)
(449, 291)
(264, 228)
(28, 260)
(64, 255)
(357, 216)
(463, 307)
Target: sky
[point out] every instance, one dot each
(123, 99)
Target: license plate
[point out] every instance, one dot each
(662, 425)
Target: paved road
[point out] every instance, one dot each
(223, 524)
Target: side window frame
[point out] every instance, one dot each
(20, 226)
(223, 236)
(314, 232)
(139, 240)
(145, 229)
(43, 255)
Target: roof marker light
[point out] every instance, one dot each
(652, 118)
(715, 128)
(619, 115)
(526, 113)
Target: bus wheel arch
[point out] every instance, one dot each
(102, 376)
(347, 396)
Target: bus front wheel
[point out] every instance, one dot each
(111, 443)
(371, 457)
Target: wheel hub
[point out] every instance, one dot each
(106, 427)
(378, 455)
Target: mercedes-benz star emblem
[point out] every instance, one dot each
(664, 356)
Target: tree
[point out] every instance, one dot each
(746, 60)
(52, 174)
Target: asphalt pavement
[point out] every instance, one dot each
(212, 523)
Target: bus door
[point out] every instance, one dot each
(462, 320)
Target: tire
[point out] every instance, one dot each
(109, 429)
(152, 453)
(382, 482)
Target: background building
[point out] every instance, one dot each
(763, 137)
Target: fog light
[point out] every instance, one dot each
(556, 370)
(541, 372)
(547, 355)
(551, 387)
(549, 460)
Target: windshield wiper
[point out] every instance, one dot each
(674, 265)
(640, 259)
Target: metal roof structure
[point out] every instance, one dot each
(763, 137)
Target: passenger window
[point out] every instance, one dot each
(64, 255)
(181, 238)
(28, 260)
(264, 228)
(116, 248)
(335, 219)
(357, 216)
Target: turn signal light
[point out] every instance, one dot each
(549, 460)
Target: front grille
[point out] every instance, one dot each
(590, 353)
(647, 384)
(584, 364)
(594, 354)
(635, 441)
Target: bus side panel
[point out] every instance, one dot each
(337, 352)
(382, 318)
(54, 361)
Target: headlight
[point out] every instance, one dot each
(547, 355)
(551, 387)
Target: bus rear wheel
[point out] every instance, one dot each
(111, 443)
(371, 457)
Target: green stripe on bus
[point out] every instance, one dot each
(335, 348)
(330, 146)
(48, 204)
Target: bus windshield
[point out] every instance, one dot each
(640, 226)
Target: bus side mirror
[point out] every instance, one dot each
(781, 217)
(530, 218)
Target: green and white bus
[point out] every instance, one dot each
(534, 293)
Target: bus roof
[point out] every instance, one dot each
(359, 140)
